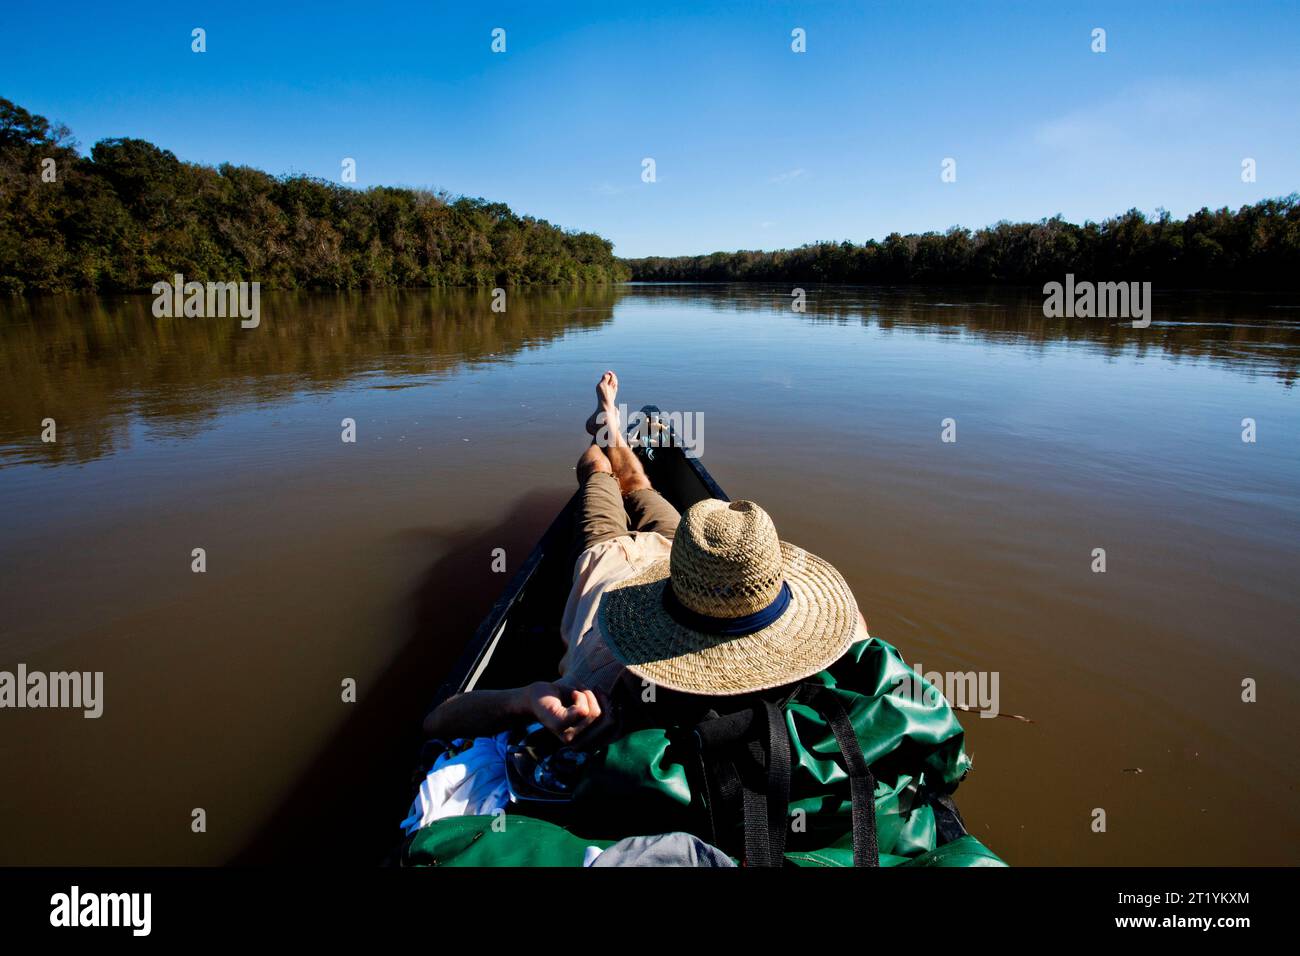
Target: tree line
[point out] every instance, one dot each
(131, 214)
(1256, 247)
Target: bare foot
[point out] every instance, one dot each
(605, 418)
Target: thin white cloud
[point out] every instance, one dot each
(786, 176)
(1158, 115)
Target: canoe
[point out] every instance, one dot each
(519, 640)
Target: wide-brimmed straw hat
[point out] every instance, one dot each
(732, 610)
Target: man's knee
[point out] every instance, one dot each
(593, 461)
(630, 483)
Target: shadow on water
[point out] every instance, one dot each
(345, 808)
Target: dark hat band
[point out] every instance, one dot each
(725, 626)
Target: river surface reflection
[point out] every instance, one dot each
(372, 560)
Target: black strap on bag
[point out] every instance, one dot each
(717, 771)
(745, 767)
(746, 778)
(862, 784)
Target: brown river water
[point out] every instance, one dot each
(372, 560)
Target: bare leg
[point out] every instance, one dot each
(602, 514)
(627, 468)
(593, 460)
(596, 420)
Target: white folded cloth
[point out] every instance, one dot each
(470, 783)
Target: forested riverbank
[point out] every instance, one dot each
(130, 214)
(1255, 247)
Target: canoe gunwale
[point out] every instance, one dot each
(478, 651)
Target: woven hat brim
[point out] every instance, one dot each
(815, 631)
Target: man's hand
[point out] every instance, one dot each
(564, 711)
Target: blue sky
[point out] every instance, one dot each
(755, 146)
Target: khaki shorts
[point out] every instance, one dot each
(604, 514)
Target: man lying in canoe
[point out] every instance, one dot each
(727, 609)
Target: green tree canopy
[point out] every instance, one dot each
(131, 214)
